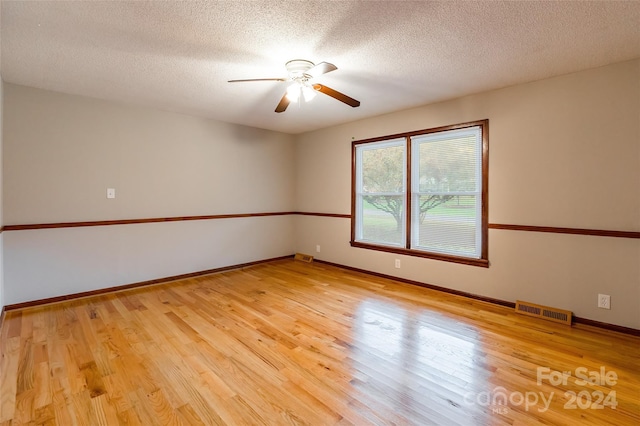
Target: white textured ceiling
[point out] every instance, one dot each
(390, 55)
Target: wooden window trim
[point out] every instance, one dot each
(483, 261)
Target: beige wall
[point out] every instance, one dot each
(564, 152)
(1, 218)
(61, 152)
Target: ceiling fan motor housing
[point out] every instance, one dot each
(298, 67)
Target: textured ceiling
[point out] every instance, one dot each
(390, 55)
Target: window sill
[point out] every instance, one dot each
(483, 263)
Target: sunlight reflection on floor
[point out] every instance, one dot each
(410, 355)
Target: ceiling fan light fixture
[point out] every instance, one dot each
(297, 92)
(293, 92)
(308, 93)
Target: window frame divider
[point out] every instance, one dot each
(408, 194)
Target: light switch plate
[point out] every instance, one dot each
(111, 193)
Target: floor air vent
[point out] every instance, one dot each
(304, 257)
(545, 312)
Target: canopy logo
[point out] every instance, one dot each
(499, 400)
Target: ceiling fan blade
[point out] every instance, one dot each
(321, 68)
(257, 79)
(284, 103)
(336, 95)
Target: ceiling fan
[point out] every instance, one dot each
(301, 72)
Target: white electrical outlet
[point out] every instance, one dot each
(604, 301)
(397, 263)
(318, 248)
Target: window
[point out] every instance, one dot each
(423, 193)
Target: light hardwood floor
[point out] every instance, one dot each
(294, 343)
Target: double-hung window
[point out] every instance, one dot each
(423, 193)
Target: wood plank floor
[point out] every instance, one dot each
(293, 343)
